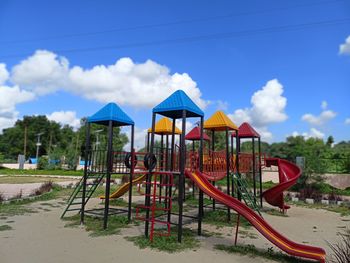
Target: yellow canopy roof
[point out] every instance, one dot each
(165, 126)
(219, 122)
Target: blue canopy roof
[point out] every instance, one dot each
(173, 106)
(111, 112)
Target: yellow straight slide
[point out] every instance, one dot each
(124, 188)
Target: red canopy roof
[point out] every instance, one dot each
(246, 131)
(195, 135)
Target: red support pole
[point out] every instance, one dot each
(237, 226)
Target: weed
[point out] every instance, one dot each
(44, 188)
(94, 225)
(168, 244)
(252, 251)
(341, 250)
(5, 227)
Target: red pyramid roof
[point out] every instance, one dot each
(195, 135)
(246, 131)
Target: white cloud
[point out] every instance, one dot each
(324, 117)
(65, 118)
(4, 74)
(313, 133)
(268, 107)
(344, 49)
(222, 105)
(43, 73)
(347, 121)
(9, 98)
(125, 82)
(139, 138)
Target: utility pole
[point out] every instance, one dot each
(38, 144)
(25, 140)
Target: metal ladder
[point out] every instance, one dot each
(247, 196)
(75, 200)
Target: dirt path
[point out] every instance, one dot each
(42, 237)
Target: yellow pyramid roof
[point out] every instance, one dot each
(219, 122)
(165, 126)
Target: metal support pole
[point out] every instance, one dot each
(109, 169)
(86, 157)
(238, 148)
(260, 173)
(182, 175)
(212, 160)
(233, 168)
(200, 201)
(254, 166)
(132, 151)
(228, 172)
(149, 178)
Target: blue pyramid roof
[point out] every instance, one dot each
(173, 106)
(111, 112)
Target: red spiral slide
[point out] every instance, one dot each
(290, 247)
(288, 175)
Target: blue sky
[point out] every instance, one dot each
(287, 53)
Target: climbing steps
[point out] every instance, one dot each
(156, 208)
(248, 197)
(75, 200)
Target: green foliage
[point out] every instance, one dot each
(43, 163)
(5, 227)
(252, 251)
(59, 143)
(168, 244)
(94, 225)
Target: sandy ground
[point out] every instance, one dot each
(42, 237)
(10, 191)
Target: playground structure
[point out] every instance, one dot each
(165, 168)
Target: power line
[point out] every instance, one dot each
(237, 34)
(149, 26)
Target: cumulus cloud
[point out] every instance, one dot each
(347, 121)
(125, 82)
(268, 107)
(324, 117)
(43, 73)
(139, 138)
(313, 133)
(344, 49)
(65, 118)
(9, 98)
(4, 74)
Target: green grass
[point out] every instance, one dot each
(343, 210)
(94, 225)
(219, 219)
(252, 251)
(6, 171)
(273, 212)
(5, 227)
(20, 207)
(168, 244)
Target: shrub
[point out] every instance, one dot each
(341, 250)
(2, 197)
(43, 163)
(44, 188)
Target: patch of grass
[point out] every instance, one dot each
(343, 209)
(6, 171)
(252, 251)
(219, 219)
(5, 227)
(245, 233)
(20, 207)
(273, 212)
(94, 225)
(168, 244)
